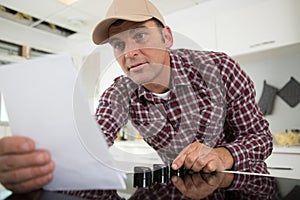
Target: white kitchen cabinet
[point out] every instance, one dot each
(285, 162)
(195, 33)
(264, 25)
(201, 31)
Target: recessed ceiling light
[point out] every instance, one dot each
(76, 22)
(67, 2)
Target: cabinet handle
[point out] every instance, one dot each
(262, 44)
(280, 168)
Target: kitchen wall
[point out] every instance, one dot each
(276, 66)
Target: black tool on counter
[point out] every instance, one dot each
(160, 173)
(142, 177)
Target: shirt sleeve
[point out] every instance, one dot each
(252, 138)
(112, 111)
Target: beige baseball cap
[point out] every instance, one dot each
(129, 10)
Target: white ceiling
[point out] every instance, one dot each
(83, 15)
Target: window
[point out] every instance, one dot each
(11, 53)
(8, 48)
(36, 53)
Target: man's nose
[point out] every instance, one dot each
(131, 49)
(131, 54)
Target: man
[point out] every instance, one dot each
(197, 105)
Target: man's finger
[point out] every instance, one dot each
(26, 174)
(191, 158)
(30, 185)
(17, 161)
(180, 159)
(16, 145)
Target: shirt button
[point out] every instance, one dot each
(177, 125)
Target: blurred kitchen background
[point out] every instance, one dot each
(262, 35)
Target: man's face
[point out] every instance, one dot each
(141, 49)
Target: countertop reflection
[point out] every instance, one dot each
(188, 185)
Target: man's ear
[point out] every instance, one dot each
(168, 37)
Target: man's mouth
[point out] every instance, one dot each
(136, 67)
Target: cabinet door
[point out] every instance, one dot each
(199, 31)
(267, 24)
(284, 165)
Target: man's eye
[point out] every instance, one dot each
(139, 36)
(118, 45)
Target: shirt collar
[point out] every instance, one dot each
(178, 65)
(178, 76)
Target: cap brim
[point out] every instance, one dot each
(100, 33)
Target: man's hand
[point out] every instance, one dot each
(199, 186)
(22, 167)
(199, 157)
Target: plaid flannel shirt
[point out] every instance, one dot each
(211, 100)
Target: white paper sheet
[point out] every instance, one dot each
(43, 102)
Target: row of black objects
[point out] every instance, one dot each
(144, 177)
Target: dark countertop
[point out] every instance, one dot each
(243, 186)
